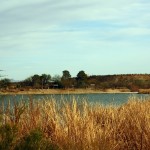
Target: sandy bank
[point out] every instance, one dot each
(66, 91)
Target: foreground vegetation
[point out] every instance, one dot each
(47, 125)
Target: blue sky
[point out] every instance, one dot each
(49, 36)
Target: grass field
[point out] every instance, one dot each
(45, 125)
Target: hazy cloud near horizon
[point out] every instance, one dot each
(100, 37)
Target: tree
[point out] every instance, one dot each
(81, 79)
(81, 75)
(57, 81)
(4, 83)
(36, 82)
(66, 79)
(27, 82)
(45, 79)
(66, 75)
(56, 78)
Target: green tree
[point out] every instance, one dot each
(66, 79)
(36, 82)
(45, 79)
(66, 75)
(81, 79)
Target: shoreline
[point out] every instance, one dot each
(68, 91)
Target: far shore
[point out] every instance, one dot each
(63, 91)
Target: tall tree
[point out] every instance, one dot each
(36, 81)
(66, 75)
(66, 79)
(81, 79)
(45, 79)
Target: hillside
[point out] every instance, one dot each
(130, 81)
(123, 82)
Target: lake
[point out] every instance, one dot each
(102, 98)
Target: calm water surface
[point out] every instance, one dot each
(104, 99)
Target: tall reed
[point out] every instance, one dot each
(75, 126)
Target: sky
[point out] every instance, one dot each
(98, 36)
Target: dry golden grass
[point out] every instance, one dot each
(144, 91)
(80, 126)
(62, 91)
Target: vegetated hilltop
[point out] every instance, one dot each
(130, 82)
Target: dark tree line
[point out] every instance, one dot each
(37, 81)
(82, 80)
(45, 81)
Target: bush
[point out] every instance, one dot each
(35, 140)
(8, 136)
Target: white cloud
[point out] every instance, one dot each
(72, 29)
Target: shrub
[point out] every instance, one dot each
(35, 140)
(8, 136)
